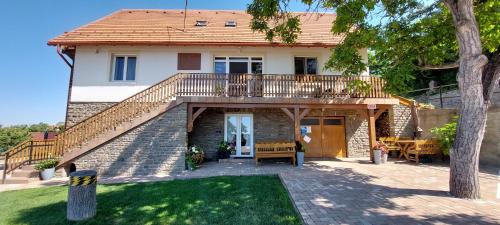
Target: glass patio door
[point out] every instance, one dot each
(239, 133)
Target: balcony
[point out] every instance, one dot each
(277, 86)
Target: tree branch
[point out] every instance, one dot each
(491, 76)
(440, 67)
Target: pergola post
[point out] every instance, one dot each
(296, 121)
(372, 136)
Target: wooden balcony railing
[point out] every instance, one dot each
(196, 84)
(278, 86)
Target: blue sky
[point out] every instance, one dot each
(34, 80)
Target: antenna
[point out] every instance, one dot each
(185, 12)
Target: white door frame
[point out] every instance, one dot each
(238, 133)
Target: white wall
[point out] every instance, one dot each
(92, 73)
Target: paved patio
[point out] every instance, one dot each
(354, 191)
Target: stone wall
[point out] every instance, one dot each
(402, 124)
(451, 99)
(78, 111)
(156, 147)
(430, 118)
(273, 124)
(269, 124)
(490, 148)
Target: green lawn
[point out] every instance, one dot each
(218, 200)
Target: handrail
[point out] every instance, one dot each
(199, 84)
(27, 152)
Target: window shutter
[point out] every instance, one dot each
(188, 61)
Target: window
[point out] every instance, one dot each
(306, 65)
(230, 23)
(124, 68)
(332, 121)
(201, 23)
(189, 61)
(309, 122)
(238, 65)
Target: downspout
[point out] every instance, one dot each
(70, 83)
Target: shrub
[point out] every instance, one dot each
(446, 135)
(47, 164)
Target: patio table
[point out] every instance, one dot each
(405, 145)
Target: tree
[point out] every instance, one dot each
(408, 36)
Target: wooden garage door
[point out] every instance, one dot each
(327, 136)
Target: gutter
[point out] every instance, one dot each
(70, 83)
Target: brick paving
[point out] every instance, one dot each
(354, 191)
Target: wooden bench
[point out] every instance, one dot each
(424, 147)
(275, 149)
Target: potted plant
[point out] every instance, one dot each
(301, 149)
(380, 152)
(223, 150)
(194, 157)
(47, 168)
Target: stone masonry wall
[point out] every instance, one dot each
(402, 124)
(156, 147)
(78, 111)
(269, 124)
(273, 124)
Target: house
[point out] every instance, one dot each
(146, 84)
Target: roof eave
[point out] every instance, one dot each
(171, 43)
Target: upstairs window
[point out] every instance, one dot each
(306, 65)
(124, 67)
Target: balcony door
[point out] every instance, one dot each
(237, 70)
(238, 131)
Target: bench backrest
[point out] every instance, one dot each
(391, 141)
(275, 147)
(427, 146)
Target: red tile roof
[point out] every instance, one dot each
(165, 27)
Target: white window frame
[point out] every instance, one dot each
(249, 60)
(238, 137)
(113, 62)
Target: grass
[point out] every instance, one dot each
(217, 200)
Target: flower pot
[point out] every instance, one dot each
(300, 158)
(384, 158)
(47, 174)
(377, 154)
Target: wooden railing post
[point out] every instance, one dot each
(5, 167)
(30, 152)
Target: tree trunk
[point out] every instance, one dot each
(82, 195)
(464, 157)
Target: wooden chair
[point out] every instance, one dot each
(276, 149)
(424, 147)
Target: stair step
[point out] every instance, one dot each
(28, 167)
(17, 180)
(25, 173)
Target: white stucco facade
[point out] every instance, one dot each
(93, 65)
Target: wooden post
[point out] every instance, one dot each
(82, 195)
(5, 167)
(371, 132)
(296, 120)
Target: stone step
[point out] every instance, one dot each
(17, 180)
(28, 167)
(25, 173)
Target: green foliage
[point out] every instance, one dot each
(404, 36)
(13, 135)
(446, 135)
(47, 164)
